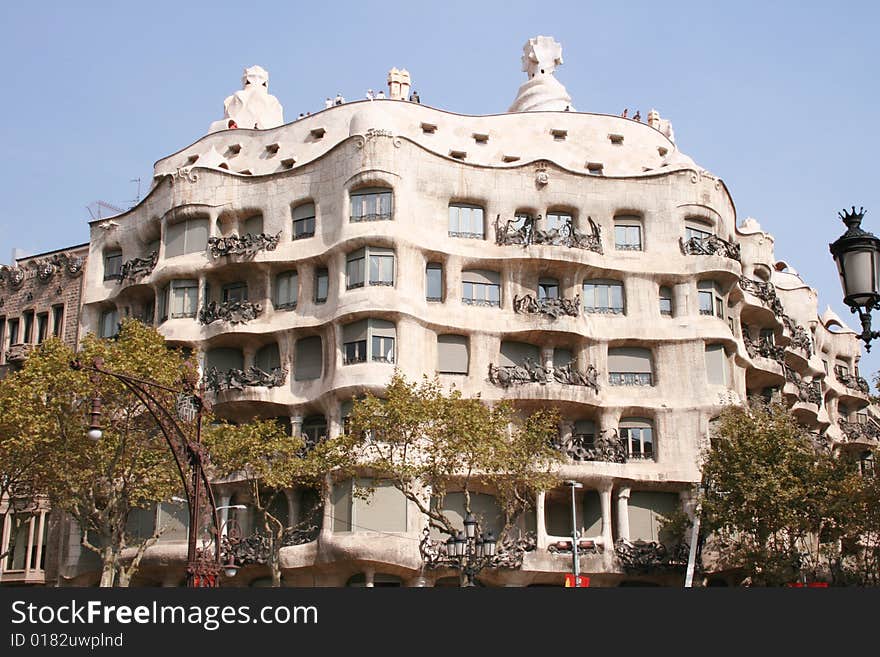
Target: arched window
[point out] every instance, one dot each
(434, 282)
(187, 236)
(286, 290)
(666, 301)
(303, 221)
(268, 357)
(628, 233)
(452, 354)
(637, 437)
(466, 220)
(371, 204)
(368, 339)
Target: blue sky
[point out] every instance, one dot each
(777, 98)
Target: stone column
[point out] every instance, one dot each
(623, 512)
(605, 489)
(292, 507)
(541, 525)
(296, 424)
(223, 498)
(547, 357)
(369, 575)
(681, 300)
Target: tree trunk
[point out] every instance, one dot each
(108, 567)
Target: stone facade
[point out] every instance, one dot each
(39, 297)
(431, 241)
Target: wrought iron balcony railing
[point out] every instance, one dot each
(234, 312)
(710, 245)
(527, 233)
(859, 431)
(630, 378)
(238, 379)
(765, 348)
(554, 307)
(247, 245)
(533, 372)
(853, 382)
(138, 267)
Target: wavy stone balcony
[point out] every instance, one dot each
(533, 372)
(807, 392)
(608, 446)
(528, 234)
(764, 348)
(853, 382)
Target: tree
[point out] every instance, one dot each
(419, 437)
(45, 405)
(270, 462)
(777, 498)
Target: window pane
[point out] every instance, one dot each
(383, 349)
(382, 270)
(355, 272)
(433, 282)
(308, 358)
(303, 228)
(705, 303)
(322, 285)
(286, 289)
(196, 235)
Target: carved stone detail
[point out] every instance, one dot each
(247, 245)
(18, 353)
(235, 379)
(532, 372)
(710, 245)
(234, 312)
(553, 307)
(528, 234)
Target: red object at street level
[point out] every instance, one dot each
(811, 585)
(581, 581)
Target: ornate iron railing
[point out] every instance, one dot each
(630, 378)
(247, 245)
(533, 372)
(710, 245)
(375, 216)
(765, 348)
(234, 312)
(859, 430)
(138, 267)
(645, 557)
(466, 235)
(468, 301)
(257, 548)
(554, 307)
(509, 553)
(607, 446)
(236, 379)
(807, 392)
(567, 235)
(765, 291)
(853, 382)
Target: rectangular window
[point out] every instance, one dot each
(452, 354)
(355, 352)
(354, 270)
(383, 349)
(184, 298)
(548, 288)
(286, 290)
(162, 301)
(710, 298)
(481, 288)
(630, 366)
(308, 358)
(322, 285)
(434, 282)
(381, 266)
(698, 231)
(109, 323)
(372, 204)
(253, 225)
(466, 221)
(42, 327)
(112, 265)
(28, 336)
(304, 221)
(13, 332)
(58, 321)
(235, 292)
(603, 297)
(189, 236)
(665, 301)
(627, 237)
(639, 442)
(706, 302)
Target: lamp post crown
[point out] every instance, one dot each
(852, 219)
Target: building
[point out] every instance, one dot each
(39, 297)
(547, 255)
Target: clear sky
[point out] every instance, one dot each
(776, 98)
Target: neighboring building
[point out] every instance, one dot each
(39, 298)
(552, 257)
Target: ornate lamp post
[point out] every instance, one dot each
(203, 564)
(857, 255)
(466, 552)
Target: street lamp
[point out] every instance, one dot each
(574, 532)
(857, 256)
(189, 456)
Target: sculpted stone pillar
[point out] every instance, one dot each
(292, 507)
(541, 525)
(605, 489)
(623, 512)
(223, 498)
